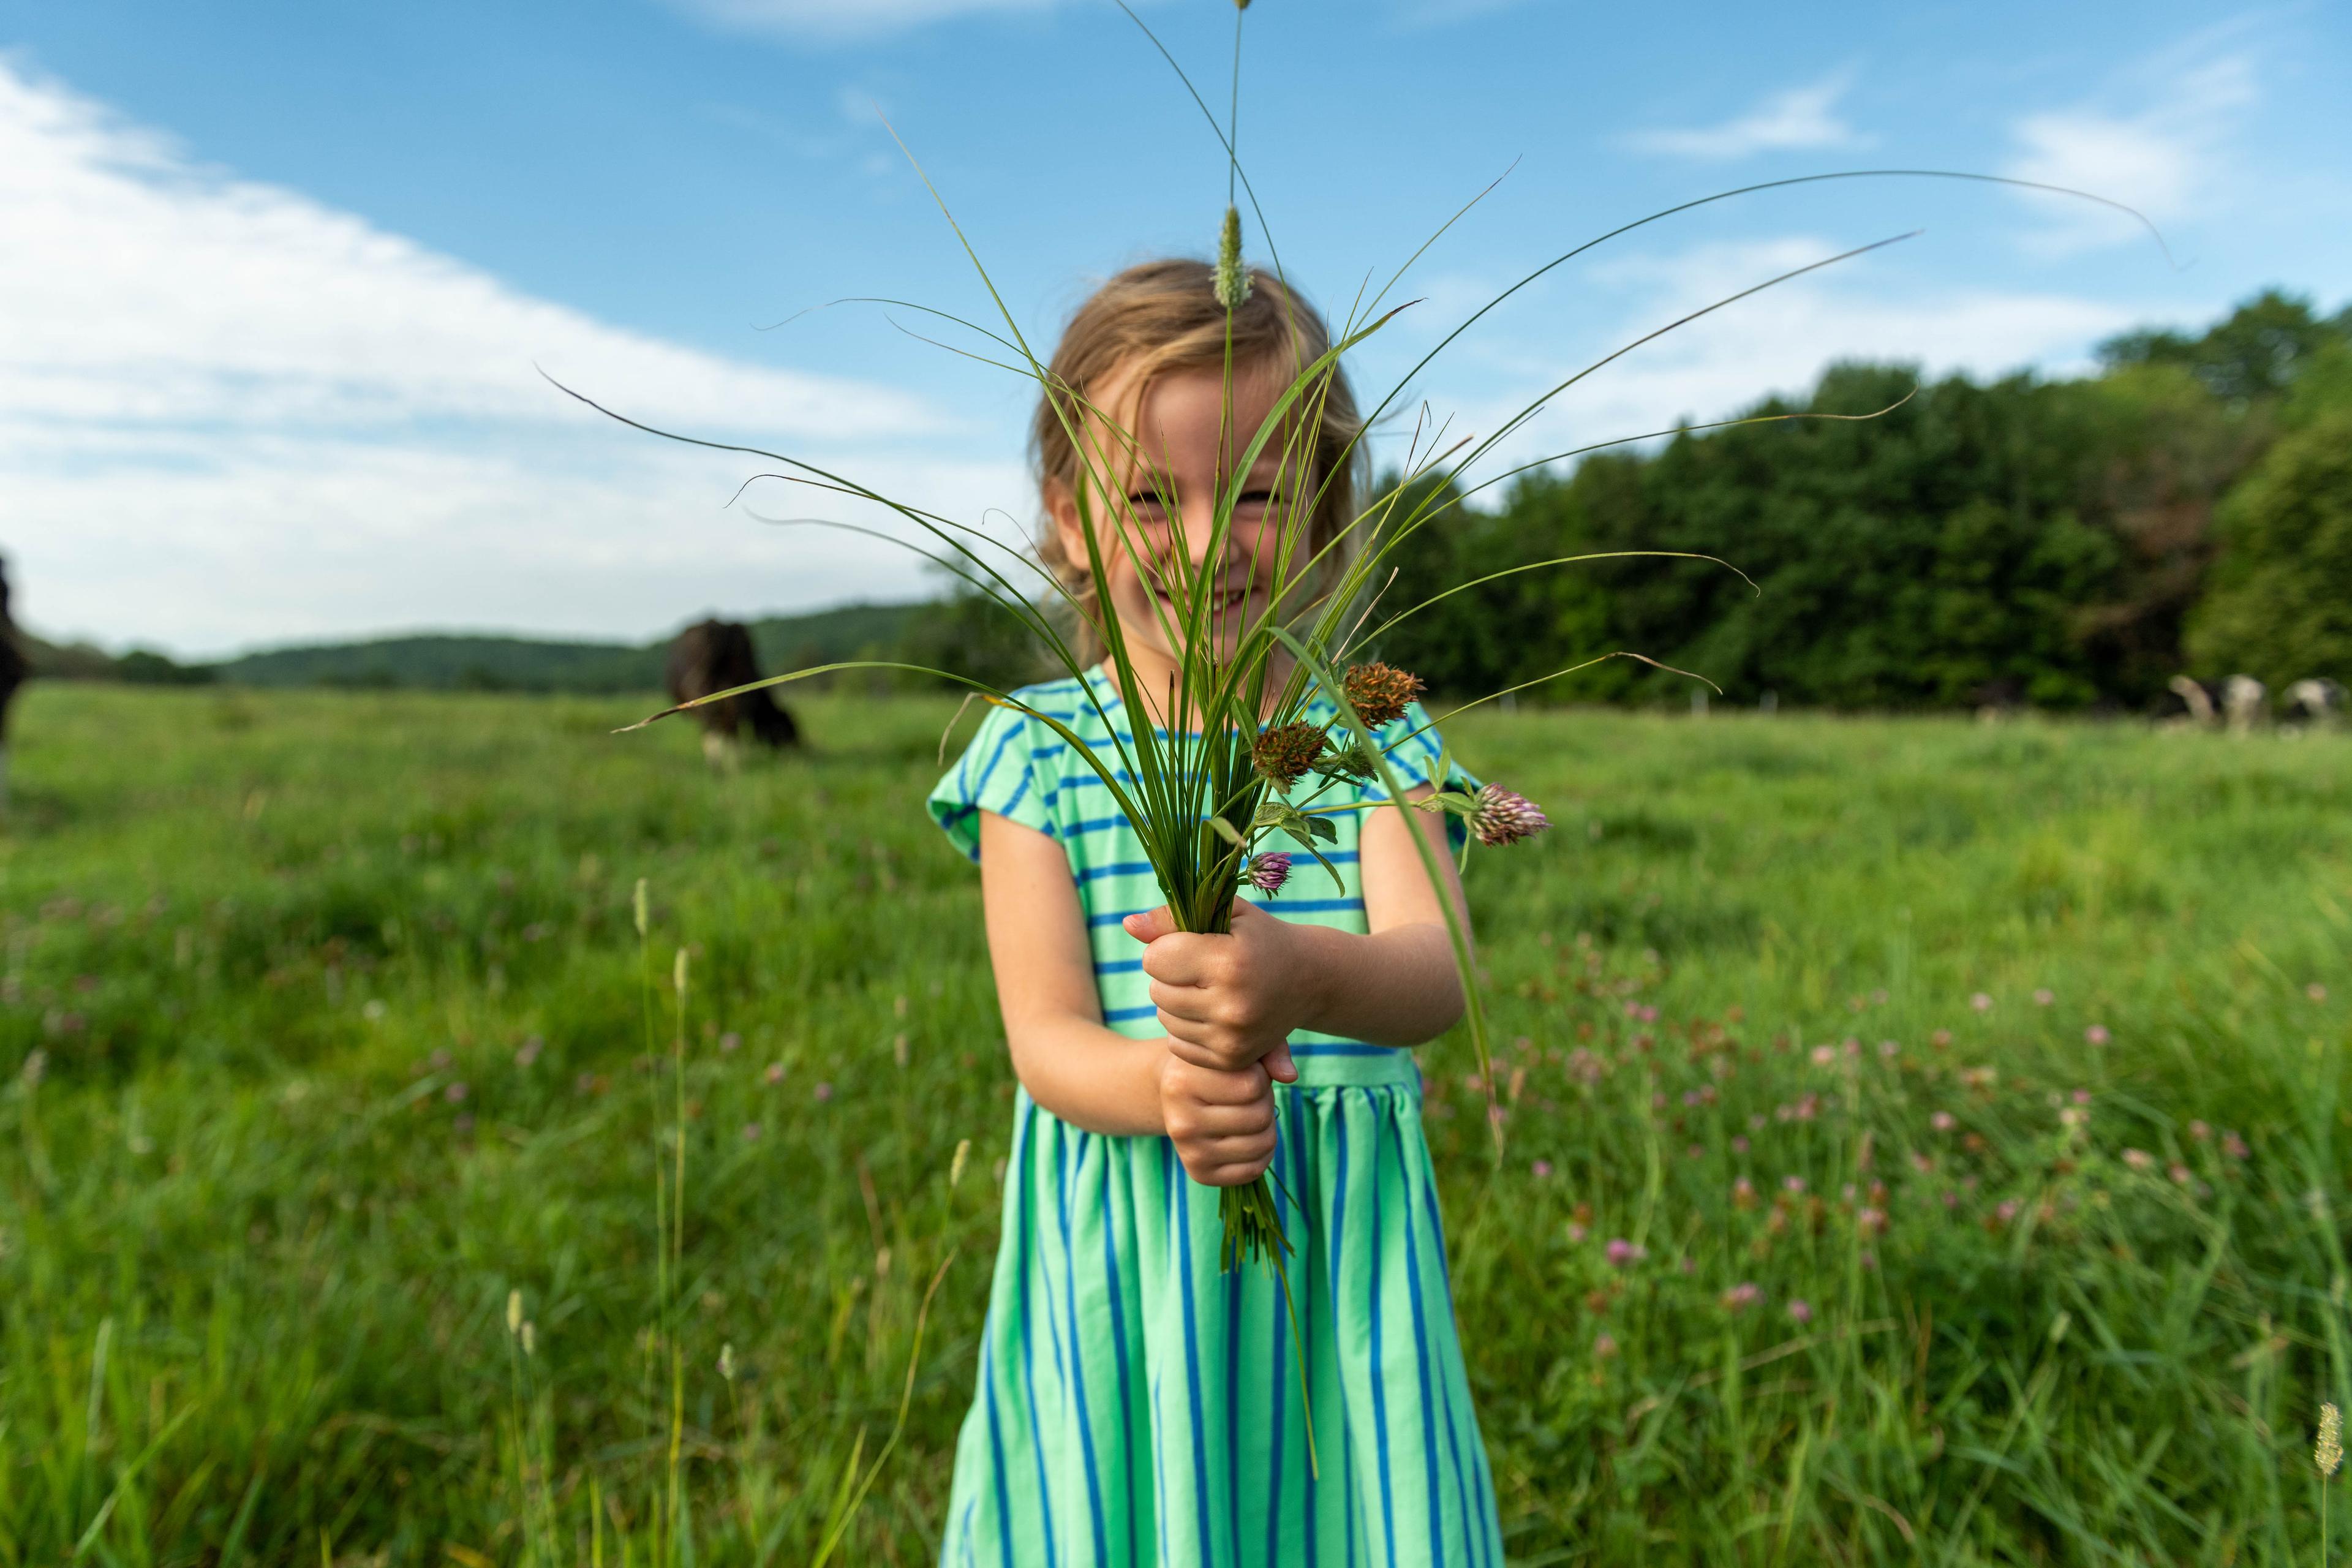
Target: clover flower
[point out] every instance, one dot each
(1232, 279)
(1504, 817)
(1380, 693)
(1284, 753)
(1269, 871)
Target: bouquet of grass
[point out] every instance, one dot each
(1226, 790)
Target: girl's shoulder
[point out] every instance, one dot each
(1009, 766)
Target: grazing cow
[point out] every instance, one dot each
(2244, 703)
(2200, 702)
(13, 668)
(2318, 703)
(716, 656)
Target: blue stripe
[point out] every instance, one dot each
(1128, 1014)
(1018, 796)
(1300, 1198)
(1117, 1291)
(975, 791)
(1311, 906)
(1341, 1048)
(1077, 1365)
(1028, 1335)
(966, 1531)
(1471, 1499)
(1160, 1464)
(1339, 1235)
(1380, 1372)
(1094, 825)
(1120, 966)
(1180, 1214)
(996, 1443)
(1234, 1414)
(1118, 868)
(1289, 1101)
(1421, 1351)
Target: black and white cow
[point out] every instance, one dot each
(2317, 703)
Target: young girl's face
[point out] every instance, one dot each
(1184, 445)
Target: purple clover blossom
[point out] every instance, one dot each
(1503, 816)
(1269, 871)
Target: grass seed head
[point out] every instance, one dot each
(2328, 1451)
(1284, 753)
(955, 1167)
(514, 1311)
(1380, 693)
(1232, 277)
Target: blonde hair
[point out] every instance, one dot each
(1164, 316)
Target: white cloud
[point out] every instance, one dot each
(834, 21)
(1794, 121)
(2157, 142)
(1777, 342)
(229, 414)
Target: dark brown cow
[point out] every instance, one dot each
(13, 668)
(716, 656)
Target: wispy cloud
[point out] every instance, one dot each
(1799, 118)
(2157, 140)
(839, 21)
(230, 413)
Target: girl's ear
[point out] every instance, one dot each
(1062, 514)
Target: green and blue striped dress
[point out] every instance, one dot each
(1137, 1406)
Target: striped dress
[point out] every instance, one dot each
(1135, 1404)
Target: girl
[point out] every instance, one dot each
(1135, 1404)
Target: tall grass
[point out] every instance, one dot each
(338, 1002)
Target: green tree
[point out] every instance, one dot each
(2281, 605)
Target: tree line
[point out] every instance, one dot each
(2067, 543)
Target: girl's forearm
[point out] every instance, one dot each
(1395, 987)
(1090, 1077)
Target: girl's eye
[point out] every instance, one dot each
(1258, 499)
(1147, 503)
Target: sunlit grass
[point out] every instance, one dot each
(339, 1008)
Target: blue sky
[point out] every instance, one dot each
(278, 273)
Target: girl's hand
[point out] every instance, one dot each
(1221, 1122)
(1230, 1001)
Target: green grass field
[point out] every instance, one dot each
(1972, 1103)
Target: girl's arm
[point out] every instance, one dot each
(1222, 1119)
(1229, 1000)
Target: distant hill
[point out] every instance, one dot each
(461, 662)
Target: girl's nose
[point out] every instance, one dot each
(1199, 524)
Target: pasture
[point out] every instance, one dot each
(1927, 1140)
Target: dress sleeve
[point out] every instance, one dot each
(998, 771)
(1415, 751)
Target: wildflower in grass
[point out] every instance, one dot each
(1800, 1312)
(2234, 1146)
(1943, 1122)
(1824, 1055)
(2042, 998)
(1792, 1184)
(1576, 1233)
(2006, 1210)
(2138, 1159)
(1285, 753)
(1741, 1296)
(1921, 1163)
(2071, 1117)
(1604, 1348)
(1940, 1039)
(750, 1133)
(2097, 1035)
(2082, 1096)
(1269, 871)
(1622, 1252)
(1951, 1199)
(1540, 1169)
(454, 1093)
(775, 1073)
(529, 1052)
(2180, 1174)
(823, 1091)
(1380, 693)
(1869, 1221)
(1980, 1001)
(2200, 1131)
(1889, 1048)
(2315, 991)
(1739, 1142)
(1502, 816)
(1743, 1194)
(731, 1041)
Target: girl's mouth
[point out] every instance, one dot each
(1221, 602)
